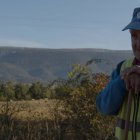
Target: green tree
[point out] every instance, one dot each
(21, 91)
(7, 91)
(36, 90)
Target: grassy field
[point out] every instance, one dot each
(44, 120)
(33, 109)
(31, 120)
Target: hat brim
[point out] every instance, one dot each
(132, 25)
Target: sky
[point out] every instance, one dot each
(66, 23)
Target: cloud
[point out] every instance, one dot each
(20, 43)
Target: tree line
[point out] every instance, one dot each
(22, 91)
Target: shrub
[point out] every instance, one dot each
(79, 93)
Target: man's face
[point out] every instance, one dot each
(135, 39)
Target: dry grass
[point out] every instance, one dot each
(34, 109)
(31, 120)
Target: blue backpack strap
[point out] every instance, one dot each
(119, 67)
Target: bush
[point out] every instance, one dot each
(79, 93)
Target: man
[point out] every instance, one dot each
(112, 100)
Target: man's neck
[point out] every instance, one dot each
(136, 61)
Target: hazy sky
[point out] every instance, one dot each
(66, 23)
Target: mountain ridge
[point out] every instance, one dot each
(27, 65)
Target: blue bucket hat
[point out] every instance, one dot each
(135, 22)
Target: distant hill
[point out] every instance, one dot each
(44, 65)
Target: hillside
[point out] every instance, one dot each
(44, 65)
